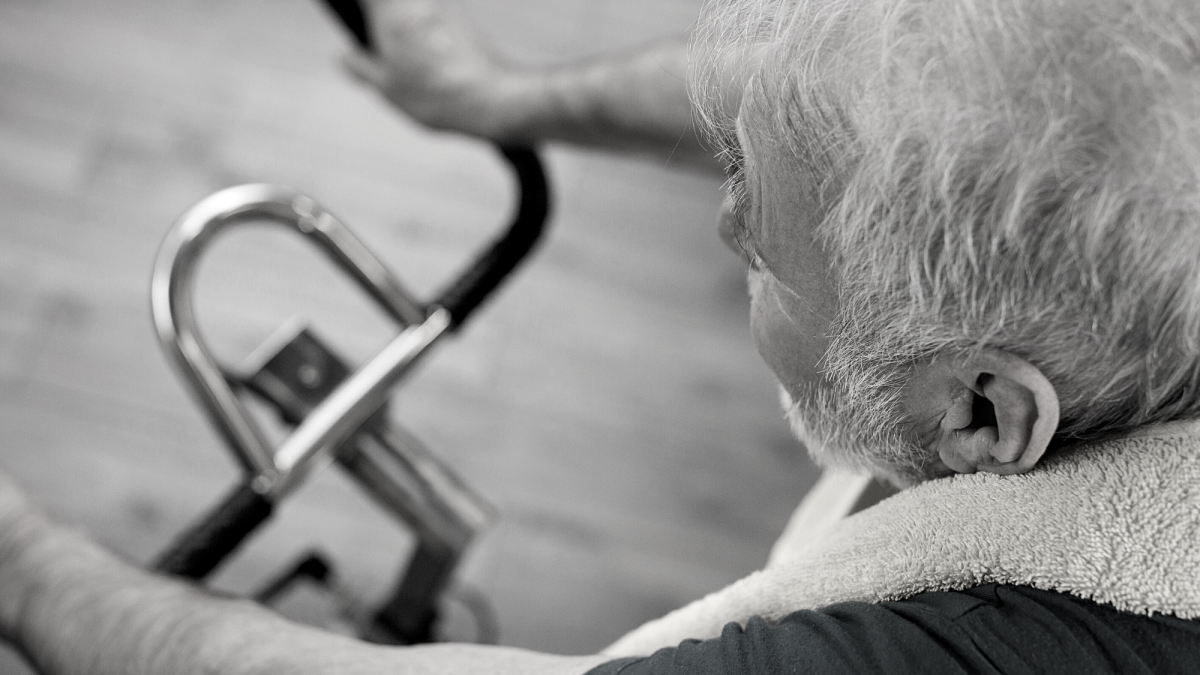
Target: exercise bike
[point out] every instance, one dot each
(338, 413)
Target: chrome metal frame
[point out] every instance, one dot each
(443, 507)
(174, 317)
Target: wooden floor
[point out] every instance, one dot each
(609, 401)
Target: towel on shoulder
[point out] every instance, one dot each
(1116, 522)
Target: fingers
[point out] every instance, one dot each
(365, 68)
(405, 15)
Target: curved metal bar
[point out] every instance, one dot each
(473, 285)
(174, 316)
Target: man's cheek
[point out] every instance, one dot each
(790, 338)
(774, 334)
(764, 319)
(754, 286)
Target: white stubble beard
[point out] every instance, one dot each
(838, 436)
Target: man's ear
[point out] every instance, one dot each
(997, 412)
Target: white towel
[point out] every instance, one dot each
(1117, 522)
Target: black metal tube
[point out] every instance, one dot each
(354, 19)
(203, 546)
(488, 270)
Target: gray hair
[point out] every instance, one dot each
(1023, 175)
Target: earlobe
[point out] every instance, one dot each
(1003, 419)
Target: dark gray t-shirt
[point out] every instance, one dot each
(987, 629)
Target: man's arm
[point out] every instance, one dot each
(73, 607)
(432, 66)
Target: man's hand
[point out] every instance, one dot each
(16, 517)
(433, 66)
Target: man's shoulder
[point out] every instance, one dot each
(1060, 632)
(986, 629)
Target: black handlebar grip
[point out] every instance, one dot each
(354, 19)
(474, 285)
(202, 547)
(490, 268)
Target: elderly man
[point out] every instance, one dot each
(973, 232)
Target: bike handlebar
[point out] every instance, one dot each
(473, 286)
(202, 547)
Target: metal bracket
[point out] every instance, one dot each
(294, 374)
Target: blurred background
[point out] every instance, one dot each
(608, 401)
